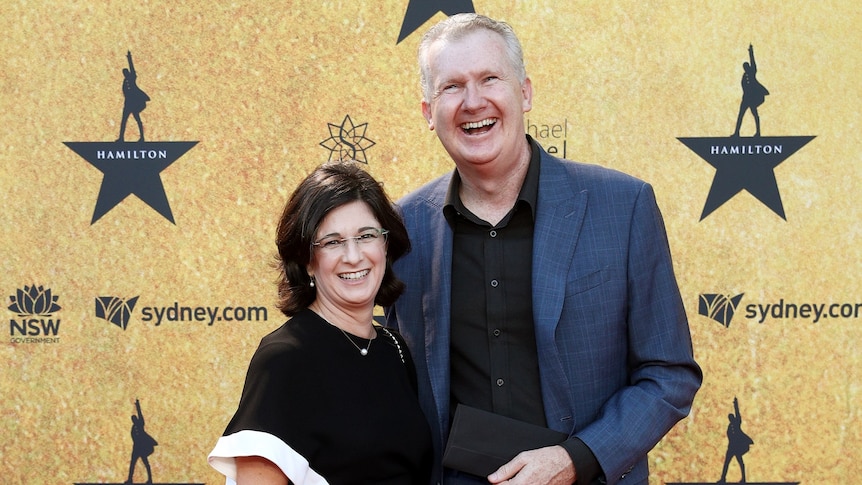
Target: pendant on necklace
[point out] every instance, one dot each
(362, 352)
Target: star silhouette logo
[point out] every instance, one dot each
(420, 11)
(746, 162)
(131, 167)
(347, 141)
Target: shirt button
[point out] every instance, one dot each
(494, 283)
(497, 332)
(493, 233)
(500, 382)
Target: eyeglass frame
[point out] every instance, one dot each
(342, 242)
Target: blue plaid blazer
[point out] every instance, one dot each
(615, 354)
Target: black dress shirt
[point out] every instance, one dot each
(494, 359)
(494, 363)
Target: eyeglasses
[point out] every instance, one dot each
(369, 238)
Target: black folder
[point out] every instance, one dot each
(480, 442)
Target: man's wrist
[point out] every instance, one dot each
(586, 465)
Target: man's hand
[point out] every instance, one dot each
(551, 465)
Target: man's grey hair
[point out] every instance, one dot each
(459, 26)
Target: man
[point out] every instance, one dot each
(537, 288)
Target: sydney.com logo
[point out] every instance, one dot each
(722, 309)
(118, 311)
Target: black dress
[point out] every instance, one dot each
(324, 413)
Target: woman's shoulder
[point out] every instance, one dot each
(294, 336)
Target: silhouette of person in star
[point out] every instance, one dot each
(143, 445)
(753, 93)
(135, 99)
(738, 443)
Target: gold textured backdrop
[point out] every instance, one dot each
(257, 83)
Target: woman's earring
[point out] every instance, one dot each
(312, 282)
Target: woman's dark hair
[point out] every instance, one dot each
(328, 187)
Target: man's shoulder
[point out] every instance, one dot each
(585, 175)
(432, 193)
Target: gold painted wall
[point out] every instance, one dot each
(258, 84)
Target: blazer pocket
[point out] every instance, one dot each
(586, 282)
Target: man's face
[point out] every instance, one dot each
(477, 103)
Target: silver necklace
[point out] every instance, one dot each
(362, 352)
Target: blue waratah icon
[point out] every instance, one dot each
(33, 300)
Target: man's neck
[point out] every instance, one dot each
(490, 195)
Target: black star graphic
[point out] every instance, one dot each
(745, 163)
(131, 168)
(419, 11)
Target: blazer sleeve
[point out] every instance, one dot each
(662, 375)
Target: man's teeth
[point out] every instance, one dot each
(479, 124)
(353, 276)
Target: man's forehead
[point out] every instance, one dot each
(442, 51)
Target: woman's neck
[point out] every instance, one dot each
(356, 322)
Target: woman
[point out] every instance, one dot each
(329, 397)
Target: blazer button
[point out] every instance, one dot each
(626, 472)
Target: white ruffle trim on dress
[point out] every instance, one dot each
(258, 443)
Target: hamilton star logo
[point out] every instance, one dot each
(131, 167)
(746, 163)
(419, 11)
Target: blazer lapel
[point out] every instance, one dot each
(436, 301)
(559, 215)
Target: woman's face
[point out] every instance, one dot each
(347, 276)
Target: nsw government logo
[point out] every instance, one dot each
(131, 167)
(746, 162)
(35, 307)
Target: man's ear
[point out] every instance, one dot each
(527, 93)
(426, 112)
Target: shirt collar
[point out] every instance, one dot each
(529, 193)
